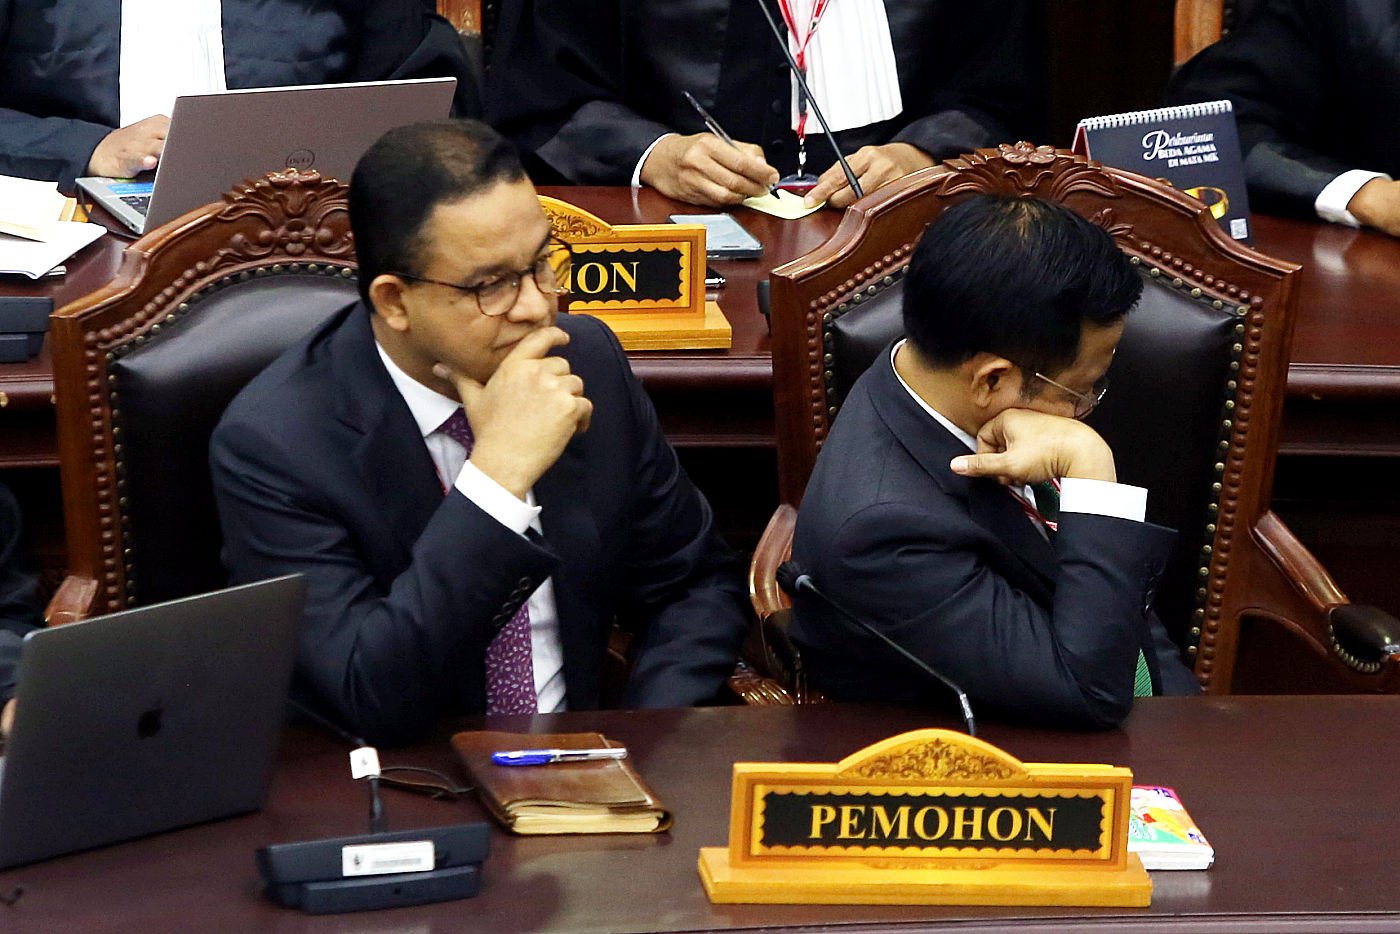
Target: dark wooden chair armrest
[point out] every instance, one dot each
(1366, 633)
(756, 690)
(1303, 596)
(72, 601)
(771, 671)
(773, 549)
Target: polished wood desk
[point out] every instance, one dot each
(1343, 384)
(1295, 793)
(1344, 378)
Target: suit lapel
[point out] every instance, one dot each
(990, 504)
(390, 457)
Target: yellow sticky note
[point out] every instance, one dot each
(784, 204)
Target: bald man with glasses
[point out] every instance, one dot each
(475, 487)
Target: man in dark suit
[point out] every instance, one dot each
(1316, 87)
(465, 564)
(591, 91)
(63, 74)
(1013, 308)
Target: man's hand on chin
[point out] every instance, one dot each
(526, 413)
(1021, 446)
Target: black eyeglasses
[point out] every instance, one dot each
(1084, 403)
(498, 295)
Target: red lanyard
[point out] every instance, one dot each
(1031, 512)
(803, 40)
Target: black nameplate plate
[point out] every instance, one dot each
(932, 821)
(622, 275)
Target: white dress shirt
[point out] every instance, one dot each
(1331, 202)
(430, 409)
(1077, 494)
(850, 69)
(168, 48)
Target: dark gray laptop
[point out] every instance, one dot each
(217, 140)
(147, 720)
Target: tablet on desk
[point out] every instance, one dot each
(725, 238)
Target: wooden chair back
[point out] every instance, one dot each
(144, 367)
(1193, 414)
(1200, 23)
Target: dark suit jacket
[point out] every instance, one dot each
(19, 597)
(319, 468)
(1316, 89)
(59, 63)
(952, 569)
(583, 87)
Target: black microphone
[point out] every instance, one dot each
(792, 579)
(811, 101)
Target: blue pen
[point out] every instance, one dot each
(551, 756)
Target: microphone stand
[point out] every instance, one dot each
(792, 579)
(811, 101)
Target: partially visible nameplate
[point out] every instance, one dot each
(928, 817)
(645, 281)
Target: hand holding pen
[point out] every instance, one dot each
(710, 168)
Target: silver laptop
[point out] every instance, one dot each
(218, 140)
(147, 720)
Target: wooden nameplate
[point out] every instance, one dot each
(931, 817)
(645, 281)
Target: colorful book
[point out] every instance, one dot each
(1193, 147)
(1162, 833)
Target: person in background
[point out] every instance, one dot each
(86, 86)
(1316, 88)
(592, 92)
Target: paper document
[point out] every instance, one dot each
(34, 258)
(30, 208)
(784, 204)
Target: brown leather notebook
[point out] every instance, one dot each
(604, 796)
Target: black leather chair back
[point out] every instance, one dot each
(173, 387)
(144, 367)
(1164, 415)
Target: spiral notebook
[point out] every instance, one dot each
(1193, 147)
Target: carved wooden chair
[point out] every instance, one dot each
(1193, 416)
(144, 367)
(464, 15)
(1200, 23)
(473, 20)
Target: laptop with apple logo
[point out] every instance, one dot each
(146, 720)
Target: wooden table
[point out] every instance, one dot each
(1295, 793)
(1343, 384)
(1344, 378)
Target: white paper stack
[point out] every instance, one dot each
(35, 232)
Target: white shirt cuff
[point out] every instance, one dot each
(1332, 201)
(637, 172)
(495, 500)
(1101, 498)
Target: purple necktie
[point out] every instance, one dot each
(510, 668)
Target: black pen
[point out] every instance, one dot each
(713, 126)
